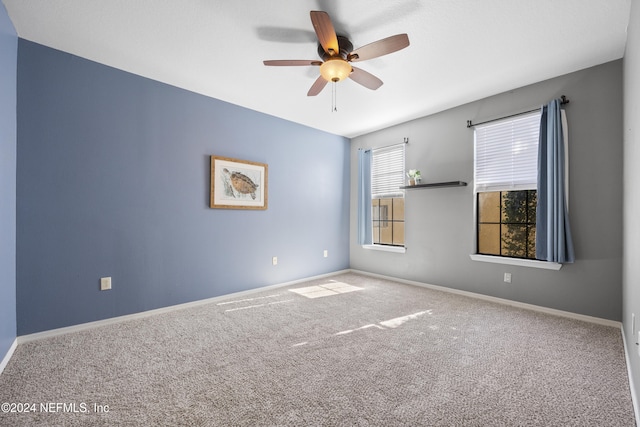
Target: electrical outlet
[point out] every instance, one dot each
(274, 260)
(507, 277)
(326, 253)
(105, 283)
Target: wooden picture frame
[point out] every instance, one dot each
(238, 184)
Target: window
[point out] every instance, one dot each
(388, 221)
(387, 199)
(507, 223)
(506, 174)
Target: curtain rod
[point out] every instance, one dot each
(564, 101)
(405, 141)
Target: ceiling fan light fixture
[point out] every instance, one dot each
(337, 54)
(335, 69)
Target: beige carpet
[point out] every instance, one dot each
(346, 351)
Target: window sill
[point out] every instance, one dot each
(519, 262)
(396, 249)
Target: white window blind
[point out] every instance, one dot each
(506, 154)
(387, 171)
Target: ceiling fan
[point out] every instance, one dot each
(337, 55)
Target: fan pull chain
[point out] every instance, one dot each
(334, 101)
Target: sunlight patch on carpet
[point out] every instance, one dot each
(391, 323)
(348, 331)
(394, 323)
(325, 290)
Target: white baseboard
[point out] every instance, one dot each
(7, 357)
(552, 311)
(634, 397)
(90, 325)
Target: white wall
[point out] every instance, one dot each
(631, 264)
(439, 222)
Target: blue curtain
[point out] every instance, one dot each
(364, 197)
(553, 233)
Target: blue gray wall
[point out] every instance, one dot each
(8, 61)
(113, 180)
(631, 266)
(439, 227)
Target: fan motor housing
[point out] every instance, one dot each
(346, 47)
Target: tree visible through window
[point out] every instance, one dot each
(507, 223)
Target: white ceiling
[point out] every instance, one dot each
(461, 50)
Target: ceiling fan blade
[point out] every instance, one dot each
(317, 86)
(379, 48)
(289, 62)
(326, 33)
(365, 78)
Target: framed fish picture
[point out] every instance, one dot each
(238, 184)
